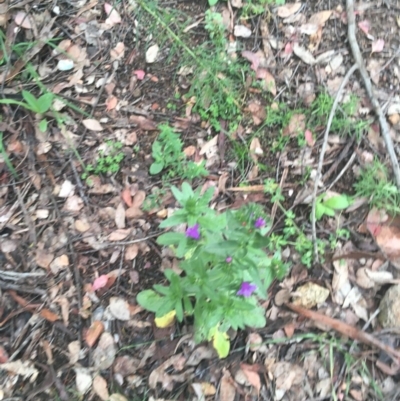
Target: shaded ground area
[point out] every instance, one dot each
(106, 106)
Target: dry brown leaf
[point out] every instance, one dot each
(49, 315)
(255, 149)
(257, 111)
(131, 252)
(74, 350)
(94, 332)
(59, 264)
(320, 18)
(251, 372)
(143, 123)
(310, 295)
(227, 390)
(120, 216)
(125, 365)
(167, 380)
(296, 126)
(117, 53)
(303, 54)
(268, 83)
(92, 124)
(43, 259)
(138, 199)
(100, 387)
(288, 9)
(119, 235)
(83, 380)
(119, 308)
(104, 354)
(200, 353)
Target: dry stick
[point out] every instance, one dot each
(321, 158)
(351, 33)
(346, 330)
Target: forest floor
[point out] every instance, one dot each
(109, 110)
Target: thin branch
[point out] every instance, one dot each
(322, 155)
(351, 33)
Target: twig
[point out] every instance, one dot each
(347, 330)
(351, 32)
(321, 158)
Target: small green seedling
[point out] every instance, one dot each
(328, 206)
(108, 162)
(168, 155)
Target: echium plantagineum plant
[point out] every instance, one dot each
(225, 268)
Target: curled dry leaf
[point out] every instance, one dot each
(119, 308)
(310, 295)
(288, 9)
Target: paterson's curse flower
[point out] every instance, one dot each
(246, 289)
(260, 222)
(228, 259)
(193, 232)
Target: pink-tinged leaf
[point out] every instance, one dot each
(365, 26)
(113, 16)
(126, 197)
(288, 49)
(377, 46)
(139, 74)
(253, 58)
(100, 282)
(23, 19)
(269, 80)
(309, 138)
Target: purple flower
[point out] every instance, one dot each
(260, 222)
(228, 259)
(193, 232)
(246, 289)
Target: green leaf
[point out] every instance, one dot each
(177, 218)
(156, 168)
(179, 310)
(170, 238)
(212, 2)
(319, 210)
(43, 125)
(150, 300)
(256, 319)
(44, 102)
(31, 100)
(338, 202)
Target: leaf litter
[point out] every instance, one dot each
(88, 244)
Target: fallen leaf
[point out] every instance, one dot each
(92, 124)
(252, 375)
(310, 295)
(152, 53)
(49, 315)
(320, 18)
(26, 369)
(113, 16)
(365, 26)
(126, 196)
(94, 332)
(119, 308)
(377, 46)
(3, 355)
(74, 352)
(166, 320)
(100, 282)
(303, 54)
(140, 74)
(117, 52)
(253, 58)
(23, 19)
(241, 31)
(83, 380)
(309, 138)
(120, 216)
(100, 387)
(269, 81)
(104, 354)
(58, 264)
(288, 9)
(131, 251)
(143, 123)
(227, 390)
(119, 235)
(111, 102)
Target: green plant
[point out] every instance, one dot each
(108, 161)
(226, 268)
(168, 155)
(153, 200)
(328, 205)
(6, 159)
(374, 184)
(39, 105)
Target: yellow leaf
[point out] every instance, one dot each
(166, 320)
(221, 343)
